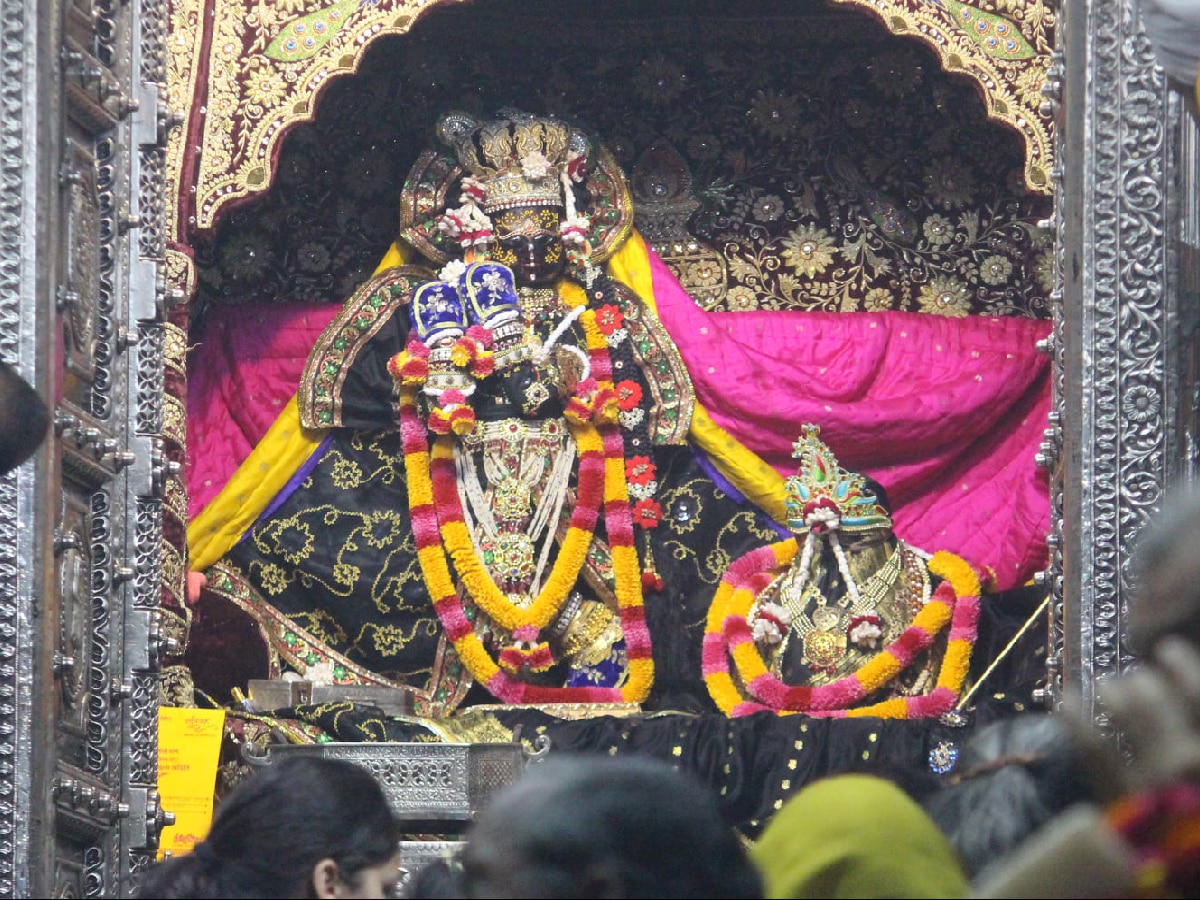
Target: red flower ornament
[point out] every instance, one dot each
(536, 659)
(609, 318)
(639, 470)
(452, 414)
(647, 513)
(629, 395)
(411, 365)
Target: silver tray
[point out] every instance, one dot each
(424, 782)
(265, 695)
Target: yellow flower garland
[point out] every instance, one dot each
(455, 543)
(479, 582)
(734, 598)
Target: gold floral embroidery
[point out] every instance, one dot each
(346, 474)
(944, 297)
(753, 191)
(322, 626)
(274, 579)
(236, 151)
(809, 249)
(343, 573)
(383, 529)
(387, 639)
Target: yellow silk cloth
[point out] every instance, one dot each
(287, 446)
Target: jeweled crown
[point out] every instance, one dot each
(822, 496)
(520, 159)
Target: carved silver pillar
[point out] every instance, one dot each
(19, 272)
(81, 318)
(1122, 401)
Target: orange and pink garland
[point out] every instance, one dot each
(440, 531)
(729, 634)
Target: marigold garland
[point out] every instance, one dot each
(1161, 826)
(728, 633)
(411, 365)
(571, 554)
(627, 394)
(439, 529)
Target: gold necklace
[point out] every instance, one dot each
(537, 302)
(823, 627)
(870, 594)
(527, 468)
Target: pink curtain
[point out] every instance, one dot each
(242, 371)
(945, 413)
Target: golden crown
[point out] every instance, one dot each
(519, 159)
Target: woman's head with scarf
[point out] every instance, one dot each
(856, 835)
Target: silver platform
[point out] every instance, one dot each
(433, 786)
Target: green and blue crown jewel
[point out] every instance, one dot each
(822, 496)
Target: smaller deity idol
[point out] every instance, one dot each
(843, 618)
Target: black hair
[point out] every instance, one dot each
(1011, 778)
(1166, 575)
(272, 829)
(439, 879)
(584, 825)
(25, 418)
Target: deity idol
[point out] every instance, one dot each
(843, 618)
(506, 503)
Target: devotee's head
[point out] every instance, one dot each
(305, 826)
(24, 419)
(601, 826)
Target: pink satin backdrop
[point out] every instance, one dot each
(946, 413)
(242, 370)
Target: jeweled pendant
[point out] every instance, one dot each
(512, 558)
(824, 649)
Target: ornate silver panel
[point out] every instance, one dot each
(79, 298)
(445, 783)
(1119, 347)
(99, 747)
(143, 643)
(76, 561)
(81, 210)
(18, 346)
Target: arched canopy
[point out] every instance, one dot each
(248, 71)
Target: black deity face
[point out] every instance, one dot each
(529, 242)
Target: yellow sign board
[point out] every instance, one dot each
(189, 748)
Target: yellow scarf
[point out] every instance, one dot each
(856, 835)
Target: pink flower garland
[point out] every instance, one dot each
(956, 601)
(434, 503)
